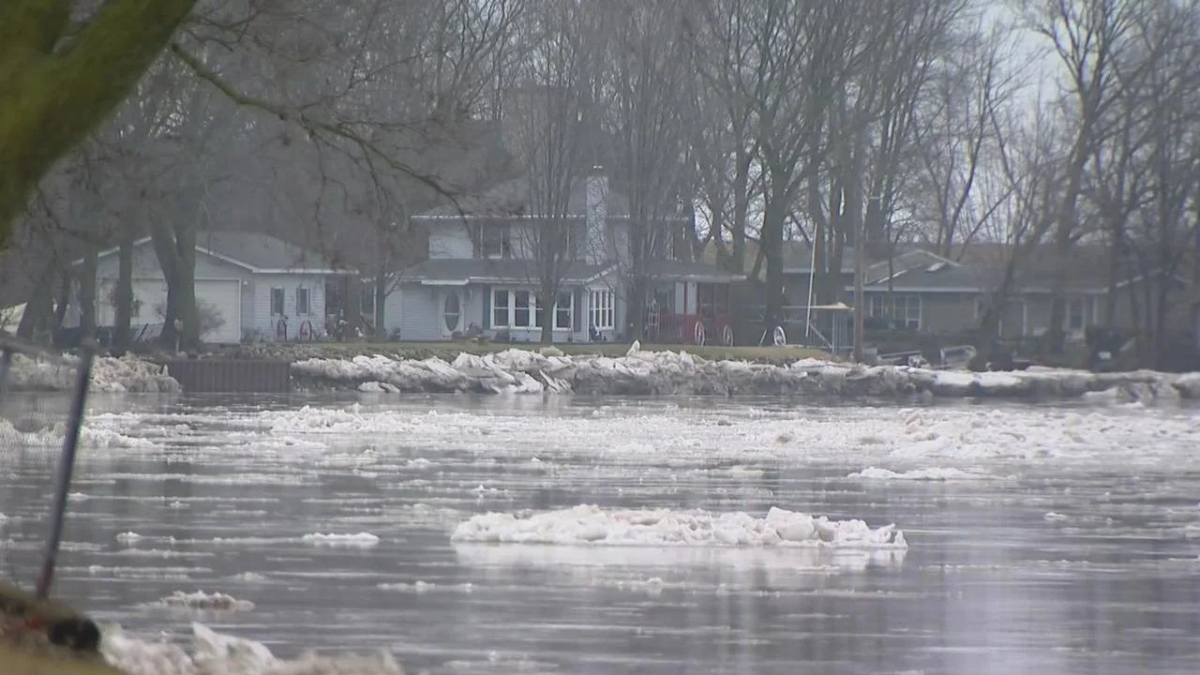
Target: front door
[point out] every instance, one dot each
(450, 312)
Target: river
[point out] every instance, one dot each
(1053, 539)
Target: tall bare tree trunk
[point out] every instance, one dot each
(87, 294)
(185, 247)
(123, 294)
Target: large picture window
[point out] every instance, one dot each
(602, 310)
(512, 308)
(1079, 313)
(904, 310)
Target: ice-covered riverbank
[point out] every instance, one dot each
(641, 373)
(679, 373)
(109, 374)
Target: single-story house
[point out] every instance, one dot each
(948, 296)
(249, 287)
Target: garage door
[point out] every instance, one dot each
(220, 307)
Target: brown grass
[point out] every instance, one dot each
(449, 350)
(15, 660)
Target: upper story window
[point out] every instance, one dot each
(493, 241)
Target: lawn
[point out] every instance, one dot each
(449, 350)
(16, 660)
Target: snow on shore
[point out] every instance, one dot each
(588, 525)
(109, 374)
(216, 654)
(646, 373)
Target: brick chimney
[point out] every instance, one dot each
(596, 214)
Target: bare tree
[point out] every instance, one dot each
(955, 140)
(650, 118)
(1089, 38)
(551, 120)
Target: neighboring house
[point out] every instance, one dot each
(948, 296)
(922, 291)
(251, 286)
(481, 275)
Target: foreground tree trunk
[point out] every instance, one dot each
(87, 294)
(52, 100)
(123, 295)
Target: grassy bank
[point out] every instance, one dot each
(449, 350)
(15, 660)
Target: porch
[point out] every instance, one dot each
(690, 312)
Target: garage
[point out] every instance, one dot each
(219, 303)
(220, 307)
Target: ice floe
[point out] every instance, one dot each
(590, 525)
(644, 373)
(357, 540)
(206, 602)
(51, 437)
(213, 653)
(109, 374)
(931, 474)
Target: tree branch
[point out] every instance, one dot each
(53, 100)
(313, 126)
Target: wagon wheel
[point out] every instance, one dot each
(698, 333)
(727, 335)
(779, 337)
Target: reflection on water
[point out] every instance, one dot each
(1036, 569)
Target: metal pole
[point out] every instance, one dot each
(6, 357)
(860, 263)
(66, 466)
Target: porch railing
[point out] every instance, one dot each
(695, 329)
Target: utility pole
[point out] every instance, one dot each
(860, 269)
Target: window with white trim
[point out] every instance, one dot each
(981, 307)
(1077, 313)
(512, 308)
(602, 310)
(501, 311)
(564, 310)
(366, 300)
(903, 310)
(494, 241)
(302, 304)
(523, 306)
(276, 302)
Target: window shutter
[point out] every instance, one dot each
(487, 307)
(577, 315)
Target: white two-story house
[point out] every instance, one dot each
(481, 277)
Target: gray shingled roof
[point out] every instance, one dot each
(259, 251)
(984, 279)
(262, 251)
(678, 270)
(482, 270)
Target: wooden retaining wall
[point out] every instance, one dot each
(263, 376)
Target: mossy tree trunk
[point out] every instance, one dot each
(55, 96)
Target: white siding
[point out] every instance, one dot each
(393, 313)
(450, 239)
(149, 285)
(249, 333)
(419, 313)
(267, 324)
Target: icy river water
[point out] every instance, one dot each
(1040, 539)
